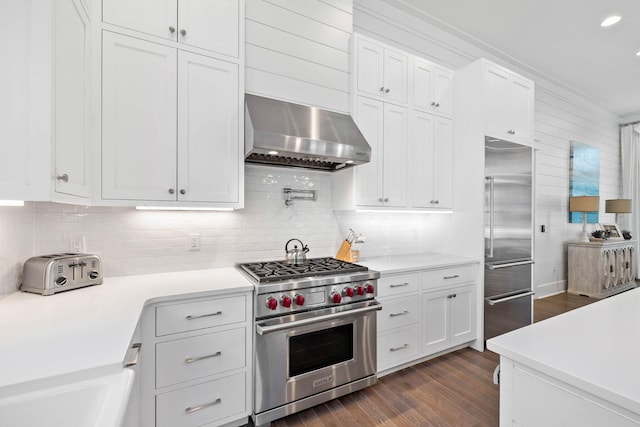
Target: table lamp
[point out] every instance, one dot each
(617, 206)
(584, 204)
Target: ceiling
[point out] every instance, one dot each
(561, 39)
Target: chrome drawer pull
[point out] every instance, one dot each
(133, 362)
(195, 359)
(455, 276)
(402, 347)
(217, 313)
(399, 285)
(192, 409)
(399, 314)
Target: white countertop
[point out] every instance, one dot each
(595, 348)
(402, 263)
(87, 331)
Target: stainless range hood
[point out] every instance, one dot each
(280, 133)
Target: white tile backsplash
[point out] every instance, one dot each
(137, 242)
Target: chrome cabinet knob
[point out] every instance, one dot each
(183, 191)
(172, 30)
(171, 191)
(183, 32)
(433, 104)
(386, 90)
(386, 199)
(437, 104)
(64, 177)
(380, 199)
(381, 88)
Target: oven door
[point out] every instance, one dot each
(301, 355)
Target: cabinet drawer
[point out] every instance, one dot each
(190, 358)
(203, 403)
(448, 276)
(191, 316)
(398, 283)
(397, 347)
(398, 312)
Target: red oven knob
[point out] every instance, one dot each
(272, 303)
(285, 301)
(299, 299)
(360, 290)
(335, 297)
(348, 291)
(370, 288)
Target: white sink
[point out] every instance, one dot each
(98, 402)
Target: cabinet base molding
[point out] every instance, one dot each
(604, 294)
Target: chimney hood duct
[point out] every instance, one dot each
(280, 133)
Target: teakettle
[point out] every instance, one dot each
(295, 255)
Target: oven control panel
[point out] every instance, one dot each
(292, 301)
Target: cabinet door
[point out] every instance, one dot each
(70, 98)
(155, 17)
(395, 155)
(370, 69)
(497, 102)
(208, 128)
(521, 109)
(422, 159)
(211, 25)
(443, 163)
(396, 67)
(443, 92)
(463, 315)
(138, 119)
(369, 117)
(422, 90)
(435, 321)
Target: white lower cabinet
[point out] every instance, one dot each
(424, 312)
(448, 318)
(195, 367)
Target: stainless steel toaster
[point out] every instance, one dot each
(49, 274)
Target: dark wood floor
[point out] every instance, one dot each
(452, 390)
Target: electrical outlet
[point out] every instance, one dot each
(77, 245)
(194, 241)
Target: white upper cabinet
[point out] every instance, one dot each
(208, 129)
(172, 88)
(204, 24)
(431, 88)
(139, 108)
(382, 182)
(176, 109)
(508, 104)
(44, 83)
(431, 154)
(381, 71)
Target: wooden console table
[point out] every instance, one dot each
(601, 269)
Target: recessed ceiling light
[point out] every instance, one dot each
(610, 21)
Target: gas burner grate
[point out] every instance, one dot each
(273, 271)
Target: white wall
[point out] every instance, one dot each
(298, 51)
(560, 116)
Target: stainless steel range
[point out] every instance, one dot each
(315, 333)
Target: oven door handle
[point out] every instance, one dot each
(263, 330)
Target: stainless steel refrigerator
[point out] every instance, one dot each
(508, 237)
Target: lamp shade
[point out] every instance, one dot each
(617, 206)
(584, 204)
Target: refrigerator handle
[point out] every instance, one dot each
(492, 301)
(509, 264)
(491, 214)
